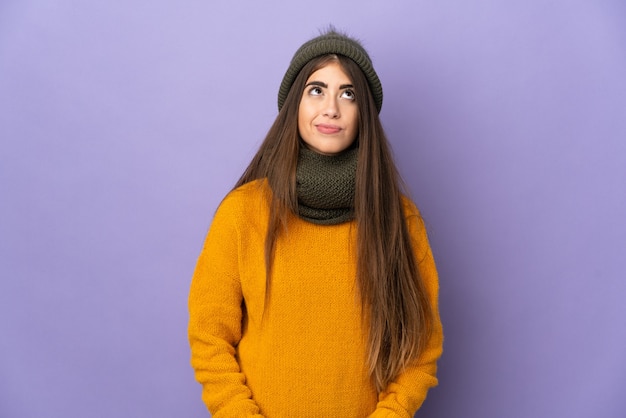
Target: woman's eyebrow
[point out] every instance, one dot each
(317, 83)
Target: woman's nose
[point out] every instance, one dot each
(331, 108)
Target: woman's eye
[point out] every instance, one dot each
(348, 94)
(315, 91)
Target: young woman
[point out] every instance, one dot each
(315, 294)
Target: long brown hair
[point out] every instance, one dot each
(392, 292)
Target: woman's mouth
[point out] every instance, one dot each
(328, 129)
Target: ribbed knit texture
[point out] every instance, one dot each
(325, 186)
(332, 43)
(306, 357)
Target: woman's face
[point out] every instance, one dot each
(328, 113)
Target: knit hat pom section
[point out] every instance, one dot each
(332, 43)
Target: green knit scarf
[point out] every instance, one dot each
(325, 186)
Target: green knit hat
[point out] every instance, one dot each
(332, 42)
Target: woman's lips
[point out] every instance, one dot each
(327, 129)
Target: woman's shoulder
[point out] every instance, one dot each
(414, 221)
(409, 207)
(252, 190)
(250, 197)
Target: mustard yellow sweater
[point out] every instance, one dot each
(306, 356)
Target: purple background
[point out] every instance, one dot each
(123, 124)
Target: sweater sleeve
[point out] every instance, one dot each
(404, 396)
(215, 321)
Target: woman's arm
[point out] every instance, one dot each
(215, 318)
(404, 396)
